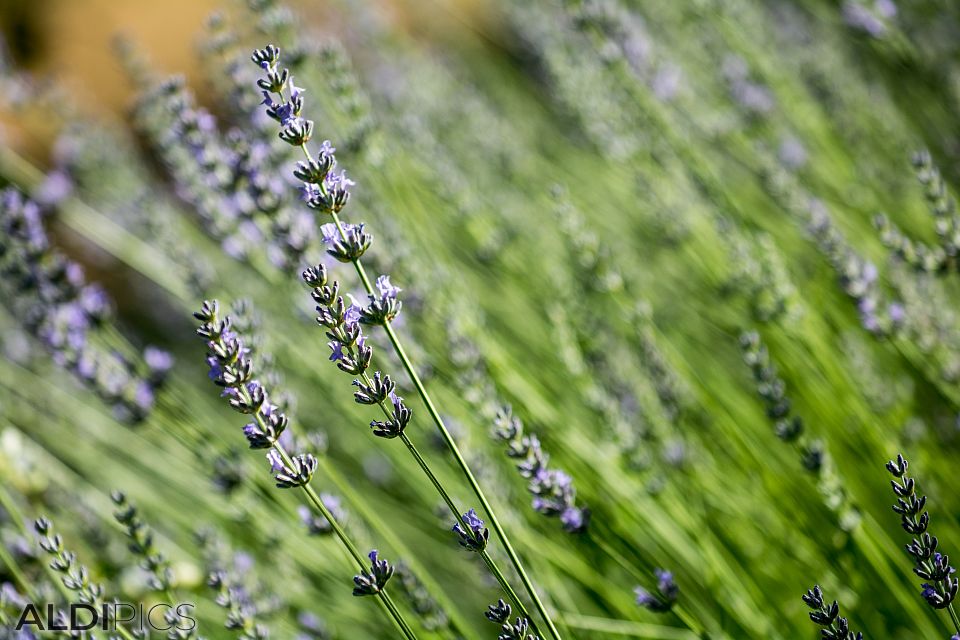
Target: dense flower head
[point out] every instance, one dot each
(48, 294)
(73, 575)
(552, 489)
(230, 178)
(141, 543)
(519, 629)
(858, 276)
(471, 534)
(835, 627)
(940, 587)
(351, 353)
(297, 471)
(231, 367)
(372, 581)
(664, 597)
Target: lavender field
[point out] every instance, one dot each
(520, 319)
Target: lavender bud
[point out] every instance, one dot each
(266, 58)
(395, 426)
(380, 389)
(666, 594)
(297, 474)
(372, 582)
(352, 245)
(498, 613)
(297, 133)
(828, 616)
(475, 536)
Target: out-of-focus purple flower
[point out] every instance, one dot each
(885, 8)
(666, 596)
(328, 231)
(276, 463)
(143, 396)
(897, 313)
(338, 181)
(573, 519)
(159, 363)
(858, 16)
(55, 188)
(386, 289)
(792, 153)
(667, 82)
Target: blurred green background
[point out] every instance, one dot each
(586, 204)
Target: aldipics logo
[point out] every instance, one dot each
(86, 617)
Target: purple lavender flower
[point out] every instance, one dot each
(931, 565)
(371, 582)
(276, 463)
(897, 313)
(665, 596)
(552, 489)
(51, 299)
(231, 368)
(475, 536)
(386, 289)
(828, 616)
(159, 363)
(858, 16)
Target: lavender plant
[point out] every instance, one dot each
(353, 356)
(665, 596)
(917, 254)
(328, 193)
(141, 545)
(74, 576)
(931, 565)
(835, 626)
(49, 294)
(232, 369)
(552, 489)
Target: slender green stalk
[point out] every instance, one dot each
(390, 537)
(8, 505)
(382, 595)
(953, 616)
(452, 446)
(457, 513)
(15, 570)
(488, 560)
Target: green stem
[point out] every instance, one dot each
(452, 446)
(8, 505)
(953, 616)
(15, 571)
(384, 599)
(494, 569)
(457, 514)
(390, 537)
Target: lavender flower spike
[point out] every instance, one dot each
(475, 536)
(835, 627)
(940, 588)
(232, 368)
(665, 597)
(499, 613)
(372, 582)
